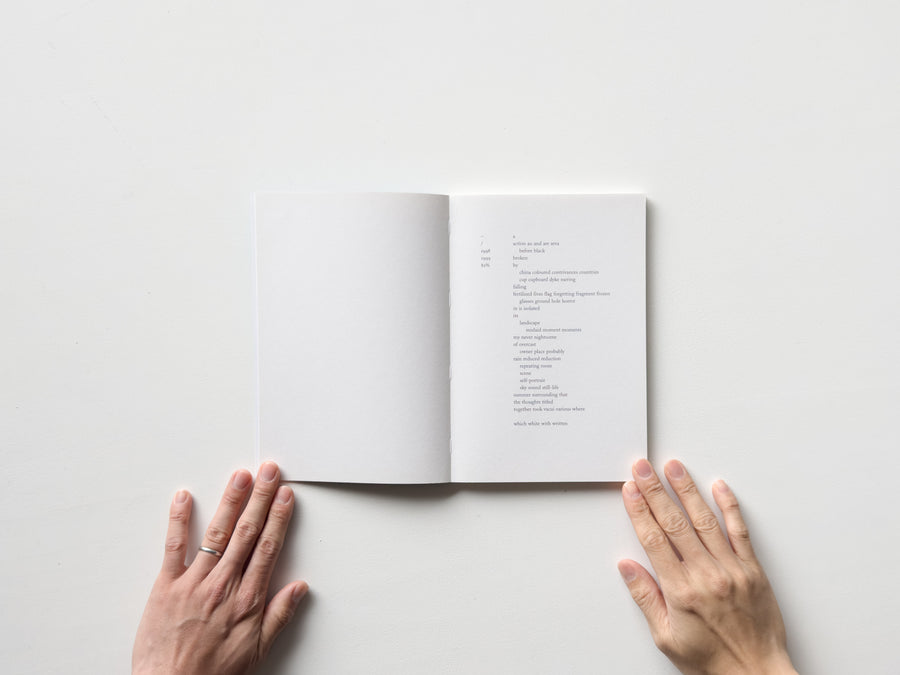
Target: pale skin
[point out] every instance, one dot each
(212, 616)
(712, 609)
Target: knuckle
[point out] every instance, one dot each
(247, 531)
(721, 586)
(178, 516)
(279, 515)
(730, 505)
(688, 489)
(756, 581)
(216, 535)
(284, 617)
(642, 596)
(654, 489)
(744, 586)
(731, 501)
(217, 592)
(749, 581)
(706, 523)
(739, 533)
(675, 523)
(175, 544)
(639, 507)
(654, 540)
(233, 499)
(248, 603)
(686, 596)
(269, 547)
(263, 492)
(756, 575)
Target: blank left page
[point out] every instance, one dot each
(354, 336)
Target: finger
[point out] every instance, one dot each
(218, 534)
(646, 595)
(279, 612)
(177, 534)
(250, 524)
(704, 521)
(651, 536)
(734, 521)
(268, 546)
(668, 514)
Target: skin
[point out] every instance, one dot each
(713, 610)
(211, 616)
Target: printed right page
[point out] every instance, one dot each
(548, 337)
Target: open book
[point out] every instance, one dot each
(410, 338)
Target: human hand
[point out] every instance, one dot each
(713, 610)
(212, 616)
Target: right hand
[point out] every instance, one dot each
(713, 610)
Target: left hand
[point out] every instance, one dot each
(212, 616)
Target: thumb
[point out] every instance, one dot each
(645, 593)
(279, 612)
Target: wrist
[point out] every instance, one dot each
(778, 665)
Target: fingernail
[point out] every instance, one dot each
(721, 486)
(181, 496)
(643, 468)
(269, 469)
(241, 479)
(676, 469)
(284, 494)
(628, 572)
(632, 490)
(298, 592)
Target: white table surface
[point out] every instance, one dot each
(132, 137)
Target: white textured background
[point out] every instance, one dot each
(132, 136)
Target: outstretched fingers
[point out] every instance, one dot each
(271, 539)
(738, 534)
(253, 519)
(213, 617)
(279, 612)
(704, 521)
(667, 513)
(177, 534)
(218, 533)
(646, 595)
(650, 534)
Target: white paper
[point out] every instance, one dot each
(354, 336)
(545, 338)
(548, 337)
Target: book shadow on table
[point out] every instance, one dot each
(438, 491)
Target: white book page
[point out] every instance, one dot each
(548, 337)
(354, 336)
